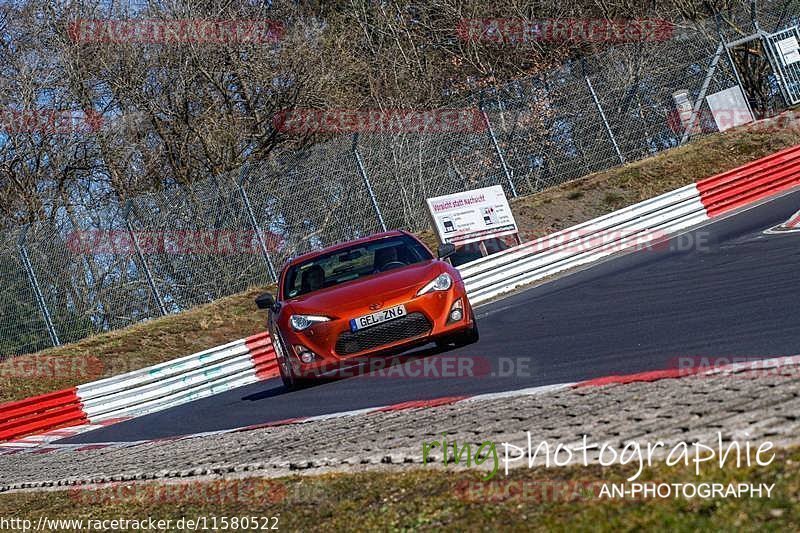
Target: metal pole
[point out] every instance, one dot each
(261, 242)
(542, 155)
(733, 66)
(703, 90)
(498, 151)
(602, 114)
(149, 275)
(37, 292)
(754, 16)
(368, 185)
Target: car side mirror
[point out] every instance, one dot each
(446, 250)
(265, 301)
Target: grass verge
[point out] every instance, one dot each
(556, 499)
(236, 316)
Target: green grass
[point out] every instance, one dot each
(235, 317)
(436, 499)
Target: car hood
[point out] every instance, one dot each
(378, 288)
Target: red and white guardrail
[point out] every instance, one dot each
(144, 391)
(248, 360)
(639, 225)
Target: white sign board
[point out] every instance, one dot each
(790, 50)
(729, 108)
(472, 216)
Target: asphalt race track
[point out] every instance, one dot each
(723, 290)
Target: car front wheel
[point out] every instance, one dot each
(290, 381)
(463, 338)
(469, 336)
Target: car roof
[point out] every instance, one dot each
(316, 253)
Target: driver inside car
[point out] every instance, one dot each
(385, 257)
(313, 279)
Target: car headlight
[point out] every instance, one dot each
(301, 322)
(442, 282)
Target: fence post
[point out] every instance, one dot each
(37, 292)
(703, 90)
(601, 112)
(363, 172)
(149, 275)
(252, 217)
(754, 16)
(733, 64)
(497, 150)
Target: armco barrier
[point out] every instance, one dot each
(638, 225)
(144, 391)
(750, 183)
(40, 413)
(179, 381)
(248, 360)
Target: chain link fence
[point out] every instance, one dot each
(97, 267)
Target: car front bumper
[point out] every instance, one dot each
(335, 346)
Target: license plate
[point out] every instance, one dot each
(378, 317)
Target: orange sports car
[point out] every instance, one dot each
(380, 294)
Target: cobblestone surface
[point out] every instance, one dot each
(754, 406)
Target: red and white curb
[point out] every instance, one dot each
(790, 226)
(773, 363)
(35, 441)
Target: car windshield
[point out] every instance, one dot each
(352, 263)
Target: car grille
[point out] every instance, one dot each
(407, 327)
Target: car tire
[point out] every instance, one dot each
(290, 381)
(469, 336)
(463, 338)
